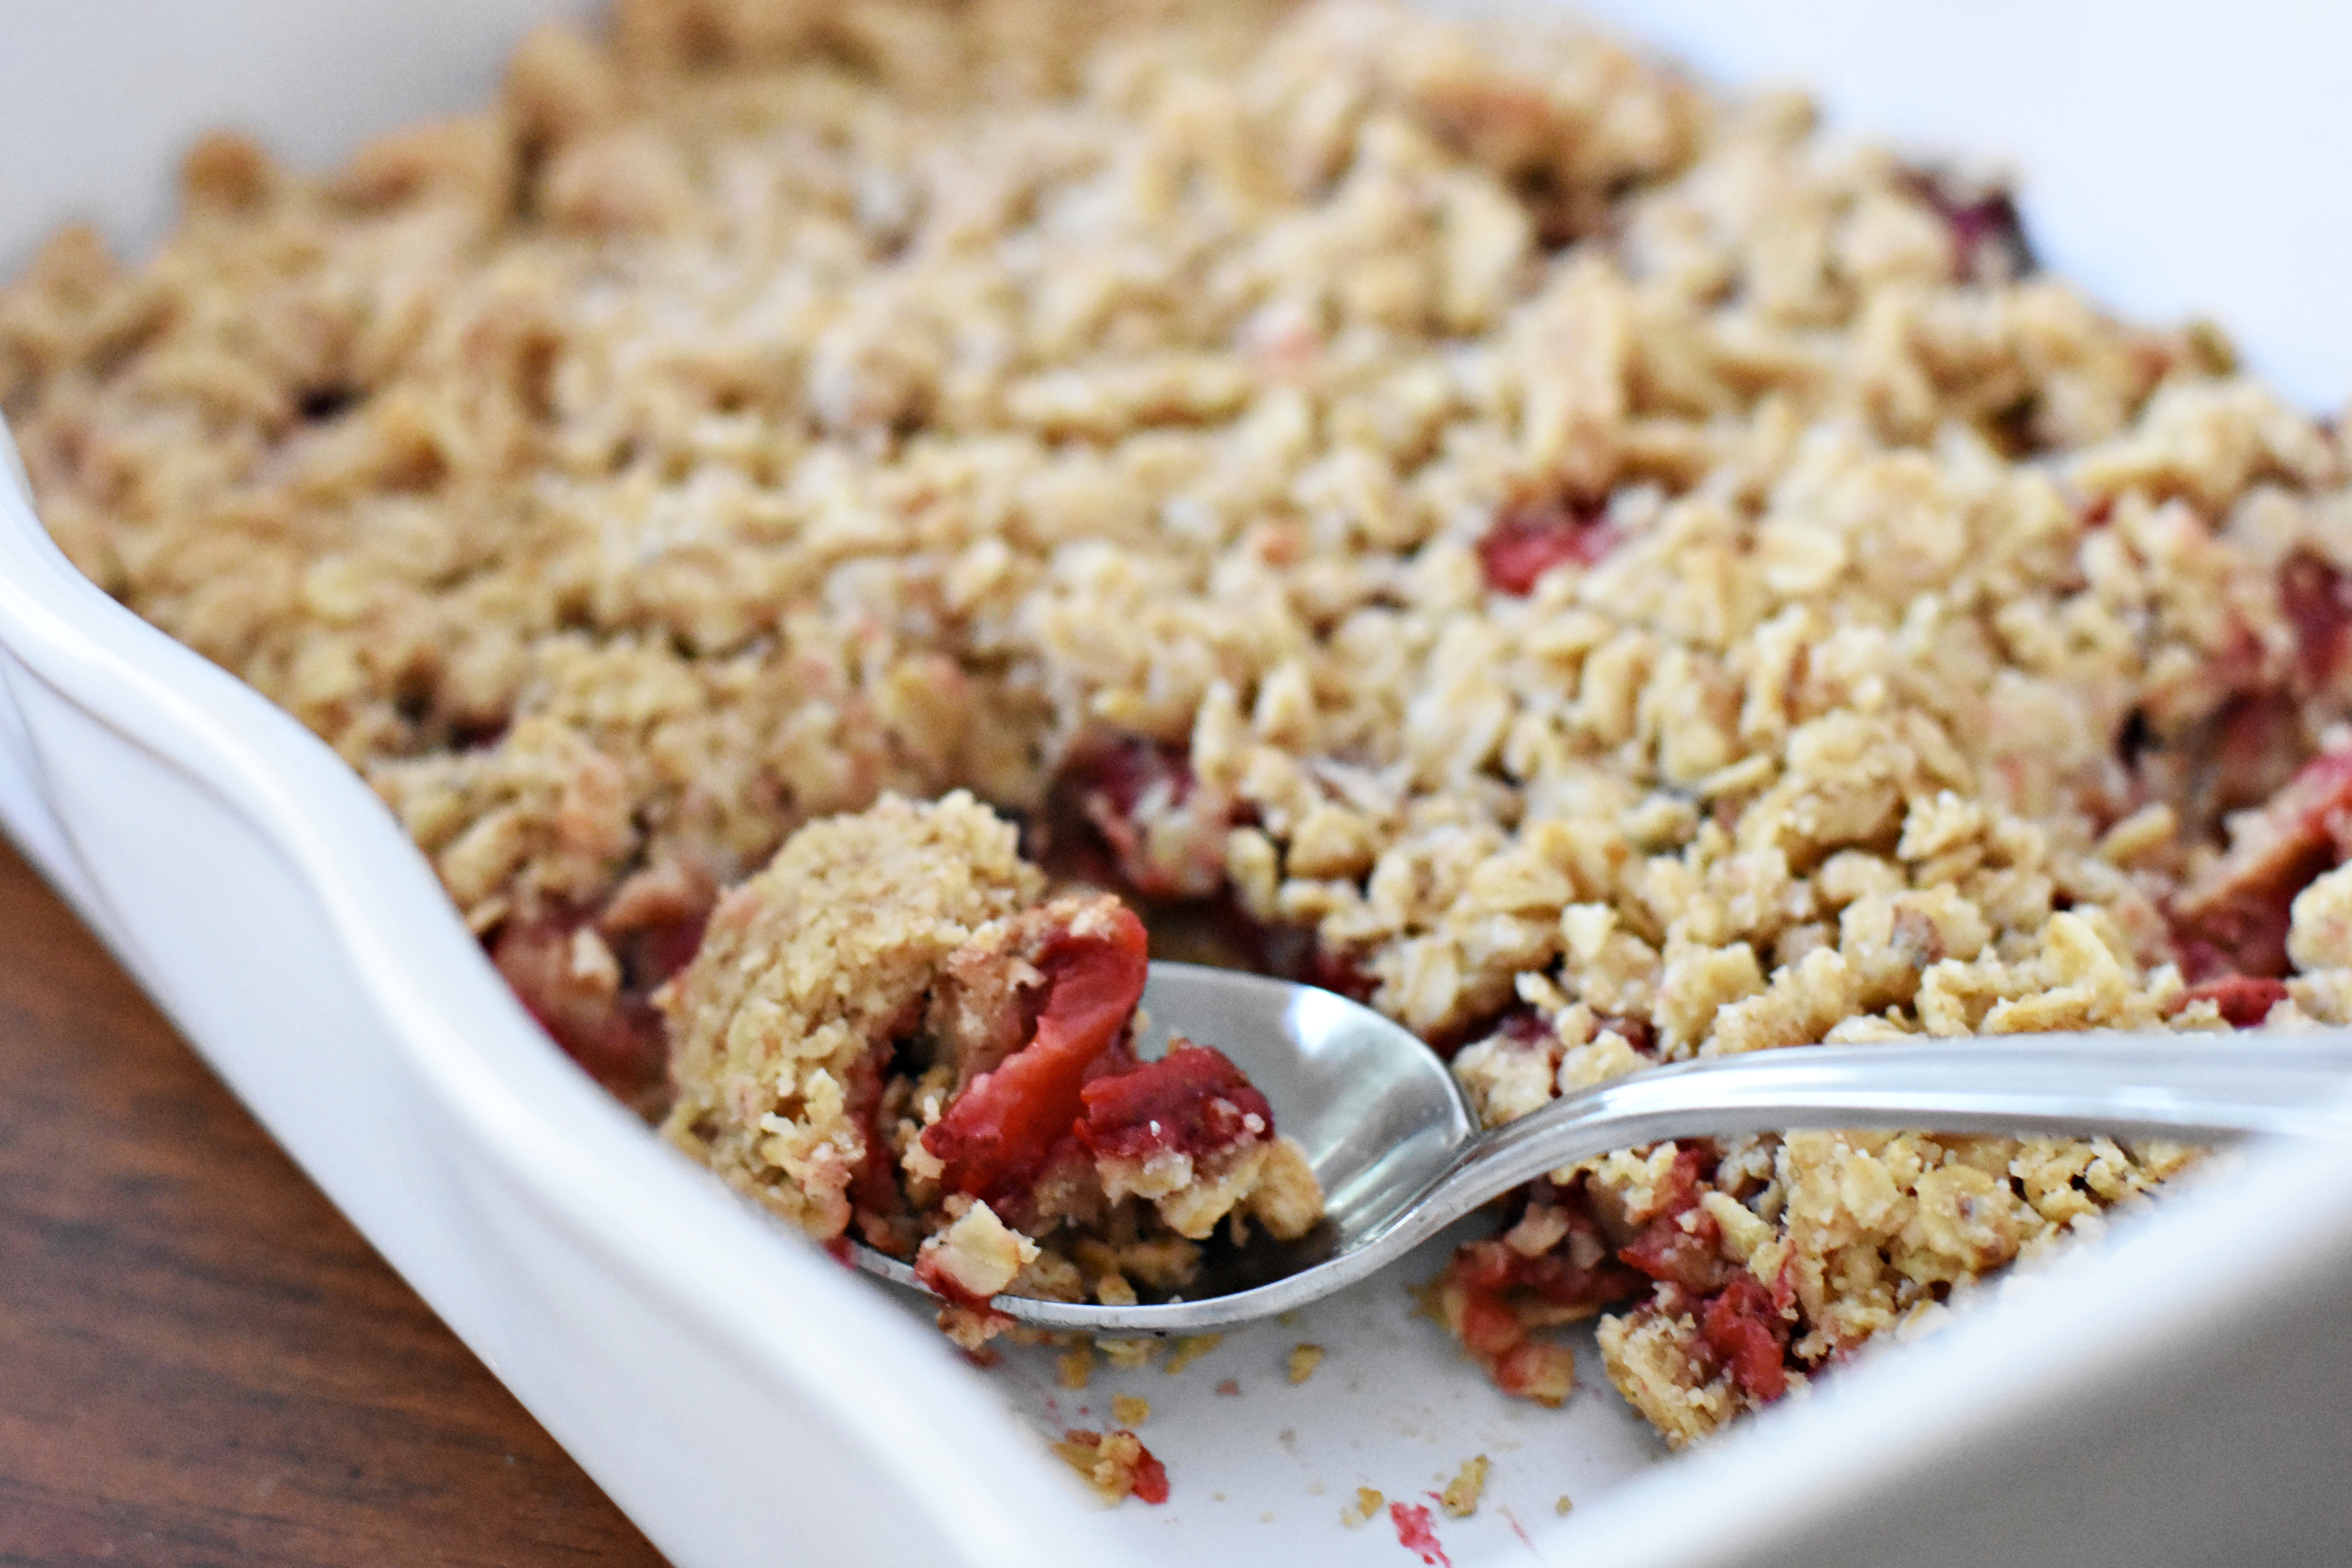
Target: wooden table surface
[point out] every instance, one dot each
(201, 1362)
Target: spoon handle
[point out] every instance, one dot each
(2294, 1086)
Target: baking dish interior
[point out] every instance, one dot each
(2155, 1400)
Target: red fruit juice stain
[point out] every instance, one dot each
(1416, 1534)
(1517, 1528)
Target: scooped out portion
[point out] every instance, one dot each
(893, 1033)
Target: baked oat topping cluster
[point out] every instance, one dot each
(891, 1035)
(1610, 575)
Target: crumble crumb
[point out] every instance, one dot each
(1190, 1349)
(1367, 1506)
(1462, 1493)
(1129, 1355)
(1129, 1410)
(1116, 1464)
(1304, 1360)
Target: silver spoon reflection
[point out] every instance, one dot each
(1401, 1156)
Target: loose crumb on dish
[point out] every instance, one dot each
(1127, 1355)
(1304, 1360)
(1366, 1507)
(1190, 1349)
(1129, 1410)
(1462, 1493)
(1564, 1506)
(1116, 1464)
(1074, 1367)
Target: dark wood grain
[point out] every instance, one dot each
(200, 1360)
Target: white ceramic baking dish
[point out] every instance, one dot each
(2177, 1394)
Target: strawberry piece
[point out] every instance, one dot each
(1150, 1479)
(1190, 1102)
(1742, 1326)
(2318, 603)
(2234, 921)
(1666, 1252)
(1525, 541)
(616, 1036)
(999, 1132)
(2245, 1000)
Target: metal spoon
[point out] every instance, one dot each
(1401, 1156)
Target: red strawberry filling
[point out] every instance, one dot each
(1530, 540)
(2233, 921)
(1190, 1102)
(2318, 601)
(998, 1132)
(2245, 1000)
(1744, 1327)
(1988, 243)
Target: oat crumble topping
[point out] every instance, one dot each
(1606, 572)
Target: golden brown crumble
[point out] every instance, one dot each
(1462, 1494)
(1127, 1355)
(1116, 1464)
(806, 971)
(884, 976)
(1627, 577)
(1189, 1348)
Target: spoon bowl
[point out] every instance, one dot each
(1401, 1155)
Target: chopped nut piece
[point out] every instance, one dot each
(975, 1258)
